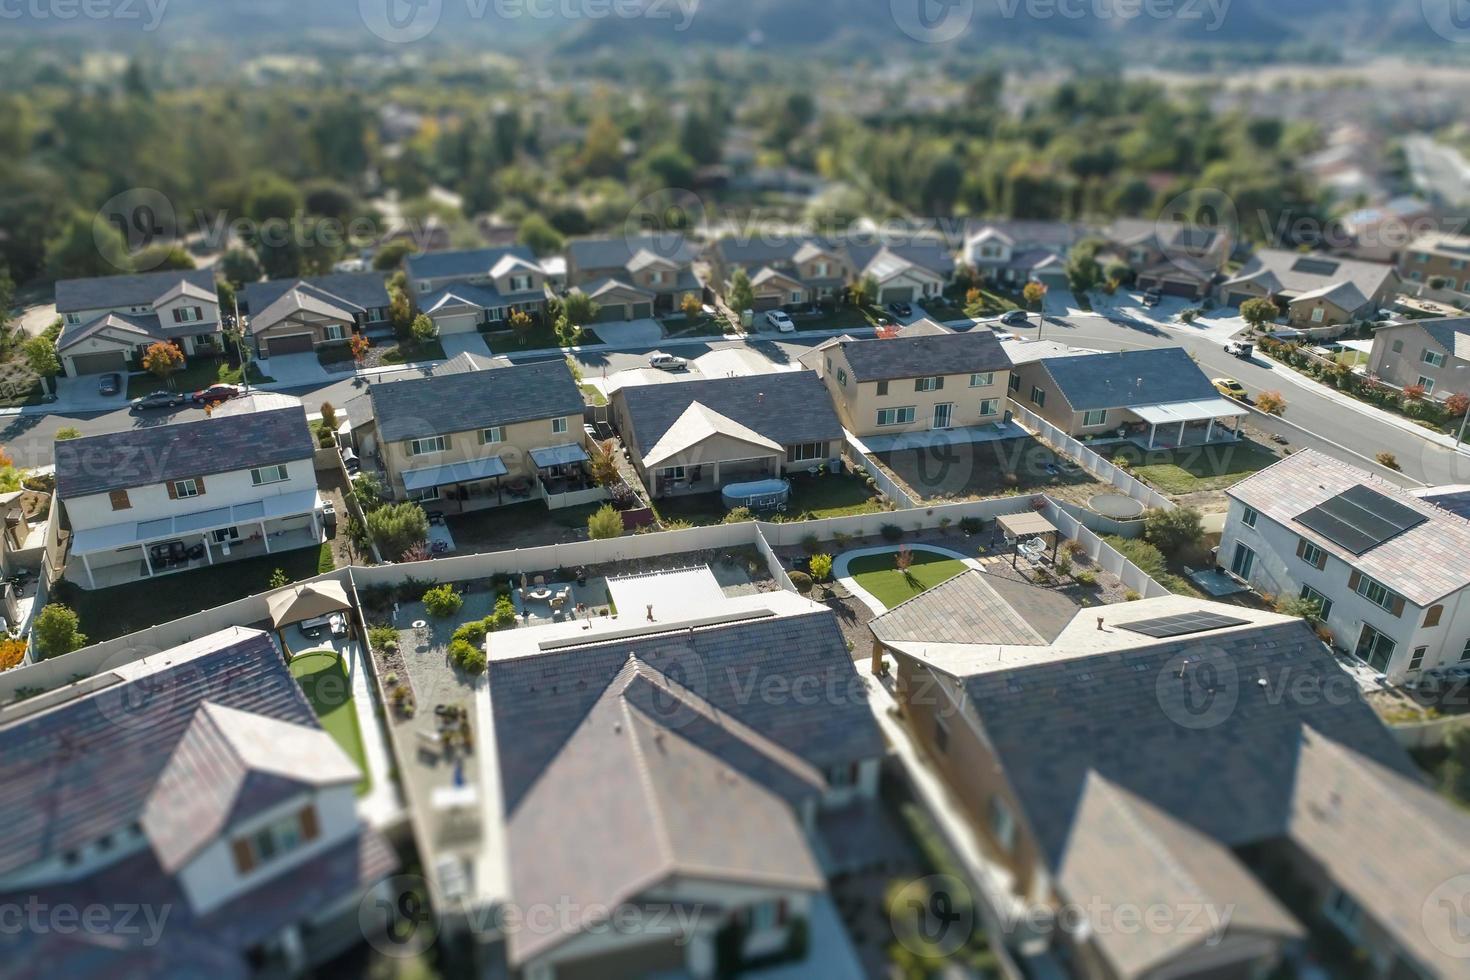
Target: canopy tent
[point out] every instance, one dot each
(309, 600)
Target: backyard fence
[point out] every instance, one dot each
(1091, 461)
(1428, 734)
(859, 453)
(1106, 557)
(1102, 523)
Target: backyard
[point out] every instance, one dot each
(518, 526)
(962, 471)
(879, 574)
(829, 495)
(1194, 469)
(323, 680)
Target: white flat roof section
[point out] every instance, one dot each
(1197, 411)
(558, 455)
(466, 472)
(673, 595)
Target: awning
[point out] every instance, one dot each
(465, 472)
(558, 455)
(302, 602)
(1026, 525)
(112, 537)
(1195, 411)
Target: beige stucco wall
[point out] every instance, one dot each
(1403, 368)
(1056, 410)
(858, 402)
(514, 450)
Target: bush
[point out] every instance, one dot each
(397, 528)
(1131, 596)
(11, 653)
(442, 601)
(1087, 578)
(468, 656)
(802, 581)
(971, 525)
(1149, 559)
(1173, 531)
(504, 615)
(1271, 402)
(811, 543)
(473, 632)
(821, 566)
(55, 631)
(891, 532)
(738, 515)
(1388, 459)
(383, 638)
(278, 579)
(605, 523)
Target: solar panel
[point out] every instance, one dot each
(1315, 267)
(1182, 625)
(1360, 519)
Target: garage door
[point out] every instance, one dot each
(613, 311)
(457, 323)
(296, 343)
(642, 311)
(897, 294)
(100, 363)
(763, 303)
(1186, 289)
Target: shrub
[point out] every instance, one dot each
(1173, 531)
(1146, 556)
(1387, 459)
(473, 632)
(1064, 565)
(738, 515)
(802, 581)
(1087, 578)
(971, 525)
(504, 614)
(821, 566)
(605, 523)
(55, 631)
(469, 657)
(397, 528)
(841, 538)
(811, 543)
(1271, 402)
(891, 532)
(278, 579)
(1131, 596)
(11, 653)
(383, 638)
(442, 601)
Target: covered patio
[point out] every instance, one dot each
(319, 611)
(562, 469)
(1030, 526)
(474, 484)
(1191, 423)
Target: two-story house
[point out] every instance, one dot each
(297, 316)
(1386, 569)
(915, 382)
(482, 438)
(464, 291)
(1318, 290)
(1433, 354)
(782, 271)
(191, 807)
(633, 278)
(108, 322)
(167, 498)
(1177, 258)
(1439, 256)
(1016, 252)
(1133, 765)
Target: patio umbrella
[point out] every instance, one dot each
(306, 601)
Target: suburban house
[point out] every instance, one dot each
(482, 438)
(1434, 256)
(631, 771)
(194, 792)
(1016, 252)
(1386, 568)
(171, 497)
(109, 321)
(915, 382)
(1317, 290)
(1381, 232)
(462, 291)
(1133, 765)
(633, 278)
(698, 436)
(1434, 354)
(1158, 397)
(298, 316)
(1175, 257)
(783, 272)
(907, 271)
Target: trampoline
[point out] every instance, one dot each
(1118, 506)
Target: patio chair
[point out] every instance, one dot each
(539, 580)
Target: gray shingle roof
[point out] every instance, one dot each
(104, 292)
(1124, 378)
(956, 611)
(155, 454)
(466, 264)
(367, 290)
(919, 357)
(607, 253)
(1450, 332)
(449, 403)
(787, 407)
(1296, 272)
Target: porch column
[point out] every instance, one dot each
(147, 562)
(1153, 428)
(1182, 427)
(1209, 430)
(316, 532)
(91, 582)
(717, 474)
(264, 536)
(208, 551)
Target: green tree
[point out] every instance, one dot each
(537, 234)
(602, 149)
(742, 296)
(240, 266)
(579, 308)
(224, 291)
(55, 631)
(391, 255)
(397, 528)
(162, 257)
(85, 248)
(41, 357)
(667, 166)
(1258, 312)
(605, 523)
(1174, 531)
(423, 329)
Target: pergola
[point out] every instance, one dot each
(1028, 525)
(1209, 410)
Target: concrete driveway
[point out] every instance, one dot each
(465, 343)
(80, 394)
(293, 370)
(629, 333)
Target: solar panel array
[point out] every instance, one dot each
(1315, 267)
(1360, 519)
(1182, 625)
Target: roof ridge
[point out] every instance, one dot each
(659, 824)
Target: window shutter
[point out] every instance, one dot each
(309, 828)
(1321, 559)
(1431, 618)
(408, 448)
(199, 485)
(178, 316)
(1354, 579)
(446, 443)
(119, 500)
(199, 313)
(780, 911)
(1301, 547)
(244, 857)
(480, 437)
(939, 383)
(173, 490)
(1398, 605)
(918, 384)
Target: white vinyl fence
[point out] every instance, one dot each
(1103, 553)
(863, 460)
(1091, 461)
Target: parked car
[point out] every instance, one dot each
(1015, 318)
(215, 394)
(1240, 349)
(157, 399)
(1153, 298)
(899, 308)
(1230, 388)
(667, 362)
(779, 320)
(109, 384)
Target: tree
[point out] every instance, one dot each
(55, 631)
(1271, 402)
(423, 329)
(1083, 272)
(359, 345)
(391, 255)
(1258, 312)
(400, 306)
(691, 305)
(41, 357)
(1457, 404)
(329, 415)
(579, 308)
(224, 291)
(67, 432)
(397, 528)
(537, 234)
(162, 257)
(1174, 531)
(742, 296)
(1034, 293)
(605, 523)
(368, 492)
(605, 464)
(162, 359)
(240, 266)
(864, 292)
(520, 325)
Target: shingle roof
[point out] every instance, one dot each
(143, 326)
(1423, 564)
(971, 352)
(105, 292)
(155, 454)
(463, 264)
(1124, 378)
(1451, 332)
(367, 290)
(466, 402)
(1297, 272)
(956, 611)
(788, 407)
(936, 256)
(1345, 295)
(609, 253)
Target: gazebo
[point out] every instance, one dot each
(309, 600)
(1028, 525)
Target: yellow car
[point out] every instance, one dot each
(1229, 387)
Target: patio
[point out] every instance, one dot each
(142, 568)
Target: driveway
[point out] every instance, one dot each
(80, 394)
(465, 343)
(296, 370)
(629, 333)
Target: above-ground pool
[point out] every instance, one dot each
(760, 495)
(1116, 505)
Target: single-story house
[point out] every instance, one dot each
(1317, 290)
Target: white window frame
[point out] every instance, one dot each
(281, 836)
(982, 380)
(897, 416)
(989, 406)
(1319, 314)
(1465, 653)
(802, 452)
(673, 473)
(1324, 604)
(424, 495)
(1368, 588)
(186, 488)
(1312, 555)
(333, 331)
(1002, 824)
(1432, 357)
(1249, 517)
(258, 476)
(492, 435)
(1038, 396)
(1095, 416)
(73, 318)
(420, 447)
(926, 384)
(559, 425)
(1427, 383)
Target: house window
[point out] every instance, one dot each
(989, 406)
(1432, 357)
(1318, 314)
(1375, 592)
(1015, 382)
(1398, 346)
(1449, 284)
(1465, 653)
(1249, 517)
(1343, 912)
(767, 915)
(842, 377)
(520, 284)
(227, 534)
(423, 447)
(1313, 555)
(429, 493)
(795, 296)
(1426, 383)
(119, 500)
(673, 472)
(804, 451)
(1002, 824)
(928, 384)
(275, 839)
(73, 319)
(1324, 604)
(558, 426)
(941, 733)
(1374, 648)
(1038, 397)
(1096, 416)
(843, 776)
(821, 270)
(1421, 257)
(188, 314)
(1416, 660)
(983, 380)
(491, 435)
(186, 488)
(1433, 615)
(267, 474)
(896, 416)
(332, 331)
(882, 388)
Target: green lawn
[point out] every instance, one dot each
(200, 372)
(843, 318)
(515, 525)
(888, 585)
(408, 352)
(1189, 470)
(323, 679)
(123, 609)
(540, 336)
